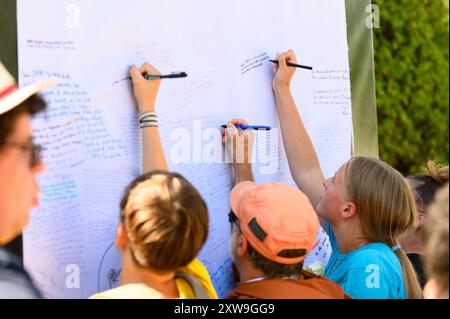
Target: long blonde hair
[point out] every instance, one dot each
(386, 208)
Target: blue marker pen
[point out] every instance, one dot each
(251, 127)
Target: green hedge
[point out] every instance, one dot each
(411, 64)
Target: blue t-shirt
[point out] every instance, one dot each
(370, 272)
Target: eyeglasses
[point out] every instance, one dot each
(35, 150)
(233, 219)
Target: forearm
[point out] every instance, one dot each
(299, 148)
(243, 173)
(153, 152)
(302, 157)
(145, 93)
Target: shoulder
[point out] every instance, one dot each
(196, 267)
(374, 272)
(14, 280)
(309, 286)
(199, 271)
(7, 258)
(130, 291)
(374, 254)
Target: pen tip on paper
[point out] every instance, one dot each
(118, 81)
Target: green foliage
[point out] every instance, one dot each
(412, 70)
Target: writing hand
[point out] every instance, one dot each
(145, 91)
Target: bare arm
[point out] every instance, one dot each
(243, 173)
(302, 157)
(239, 144)
(145, 93)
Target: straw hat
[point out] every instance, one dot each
(11, 95)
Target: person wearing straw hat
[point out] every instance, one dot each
(20, 163)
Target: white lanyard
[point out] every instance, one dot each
(254, 280)
(264, 278)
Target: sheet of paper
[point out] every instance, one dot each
(91, 132)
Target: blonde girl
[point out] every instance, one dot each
(364, 207)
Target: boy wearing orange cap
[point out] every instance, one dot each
(274, 227)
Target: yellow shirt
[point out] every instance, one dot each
(199, 271)
(129, 291)
(142, 291)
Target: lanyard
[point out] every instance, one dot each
(254, 280)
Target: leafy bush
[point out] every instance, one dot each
(412, 70)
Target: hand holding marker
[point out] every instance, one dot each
(294, 65)
(150, 77)
(268, 128)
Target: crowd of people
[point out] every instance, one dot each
(389, 233)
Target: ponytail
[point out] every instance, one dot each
(412, 285)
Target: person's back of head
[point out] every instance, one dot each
(385, 207)
(280, 228)
(436, 239)
(426, 185)
(166, 221)
(279, 224)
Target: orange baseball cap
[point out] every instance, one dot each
(276, 219)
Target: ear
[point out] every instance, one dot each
(121, 237)
(422, 218)
(349, 210)
(242, 247)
